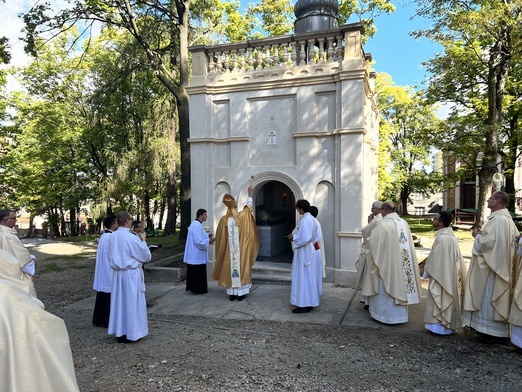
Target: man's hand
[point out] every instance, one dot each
(142, 235)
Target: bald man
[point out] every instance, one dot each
(489, 281)
(395, 273)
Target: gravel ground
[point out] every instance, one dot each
(201, 354)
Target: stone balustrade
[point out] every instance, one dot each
(295, 50)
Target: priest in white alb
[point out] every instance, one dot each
(395, 273)
(10, 242)
(127, 253)
(446, 271)
(487, 296)
(306, 288)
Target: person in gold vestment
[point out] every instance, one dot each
(365, 263)
(395, 271)
(34, 344)
(487, 295)
(446, 271)
(10, 242)
(237, 246)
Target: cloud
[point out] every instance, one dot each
(12, 27)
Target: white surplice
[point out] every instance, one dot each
(102, 270)
(127, 253)
(305, 289)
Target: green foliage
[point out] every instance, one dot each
(216, 21)
(365, 11)
(477, 74)
(5, 55)
(407, 129)
(277, 16)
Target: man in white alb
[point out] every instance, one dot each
(103, 276)
(127, 253)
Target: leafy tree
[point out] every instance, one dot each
(277, 16)
(161, 29)
(483, 38)
(44, 167)
(408, 124)
(365, 11)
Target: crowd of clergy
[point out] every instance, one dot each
(486, 296)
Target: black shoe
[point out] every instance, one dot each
(232, 297)
(240, 297)
(366, 307)
(489, 339)
(123, 339)
(306, 309)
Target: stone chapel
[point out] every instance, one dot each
(295, 117)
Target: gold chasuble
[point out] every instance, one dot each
(447, 271)
(34, 344)
(237, 246)
(365, 263)
(494, 251)
(395, 261)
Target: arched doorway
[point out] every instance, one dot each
(275, 218)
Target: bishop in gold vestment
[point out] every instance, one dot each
(237, 246)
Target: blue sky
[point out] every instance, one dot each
(392, 49)
(395, 53)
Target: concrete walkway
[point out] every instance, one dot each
(339, 305)
(267, 301)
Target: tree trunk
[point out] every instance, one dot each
(161, 214)
(405, 194)
(499, 59)
(30, 230)
(184, 123)
(146, 210)
(170, 224)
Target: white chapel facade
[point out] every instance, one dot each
(294, 117)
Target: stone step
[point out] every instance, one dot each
(273, 273)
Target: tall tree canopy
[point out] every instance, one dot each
(163, 30)
(482, 44)
(407, 132)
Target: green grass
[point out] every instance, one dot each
(77, 266)
(170, 241)
(424, 228)
(52, 267)
(81, 256)
(80, 238)
(163, 241)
